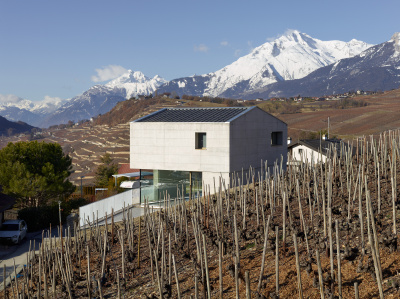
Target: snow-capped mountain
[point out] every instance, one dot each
(136, 83)
(100, 99)
(377, 68)
(291, 56)
(17, 109)
(293, 64)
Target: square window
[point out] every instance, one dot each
(276, 138)
(300, 151)
(201, 140)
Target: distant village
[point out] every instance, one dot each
(38, 133)
(349, 94)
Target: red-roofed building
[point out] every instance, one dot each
(125, 168)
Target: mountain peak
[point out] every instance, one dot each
(135, 82)
(128, 77)
(396, 39)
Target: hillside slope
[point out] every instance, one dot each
(86, 143)
(10, 128)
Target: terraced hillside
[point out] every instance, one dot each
(380, 114)
(86, 143)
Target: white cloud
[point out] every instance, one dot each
(108, 73)
(49, 99)
(224, 43)
(237, 53)
(201, 48)
(250, 45)
(10, 98)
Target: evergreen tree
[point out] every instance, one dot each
(34, 172)
(106, 170)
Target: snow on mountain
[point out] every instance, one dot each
(96, 100)
(17, 109)
(291, 56)
(396, 42)
(136, 83)
(376, 68)
(100, 99)
(48, 105)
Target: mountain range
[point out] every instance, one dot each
(292, 56)
(377, 68)
(99, 99)
(293, 64)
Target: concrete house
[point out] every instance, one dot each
(190, 147)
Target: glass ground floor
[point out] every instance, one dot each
(157, 185)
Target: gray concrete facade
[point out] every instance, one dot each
(237, 144)
(250, 140)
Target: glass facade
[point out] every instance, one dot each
(162, 183)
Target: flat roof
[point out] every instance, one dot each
(209, 114)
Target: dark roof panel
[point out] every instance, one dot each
(222, 114)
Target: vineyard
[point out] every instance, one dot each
(312, 231)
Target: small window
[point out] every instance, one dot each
(300, 151)
(201, 140)
(276, 138)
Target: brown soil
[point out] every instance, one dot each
(354, 266)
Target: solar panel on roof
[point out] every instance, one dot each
(222, 114)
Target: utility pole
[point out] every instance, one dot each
(328, 127)
(61, 236)
(81, 185)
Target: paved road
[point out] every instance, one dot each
(17, 253)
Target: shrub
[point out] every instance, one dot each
(38, 218)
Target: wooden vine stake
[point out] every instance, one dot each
(263, 256)
(356, 295)
(338, 259)
(206, 267)
(277, 260)
(299, 287)
(221, 285)
(320, 279)
(176, 278)
(248, 290)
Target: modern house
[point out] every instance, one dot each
(189, 147)
(314, 151)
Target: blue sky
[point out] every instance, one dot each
(53, 48)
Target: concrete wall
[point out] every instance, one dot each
(115, 202)
(250, 140)
(233, 146)
(307, 154)
(171, 146)
(209, 177)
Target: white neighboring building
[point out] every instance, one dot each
(202, 144)
(313, 150)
